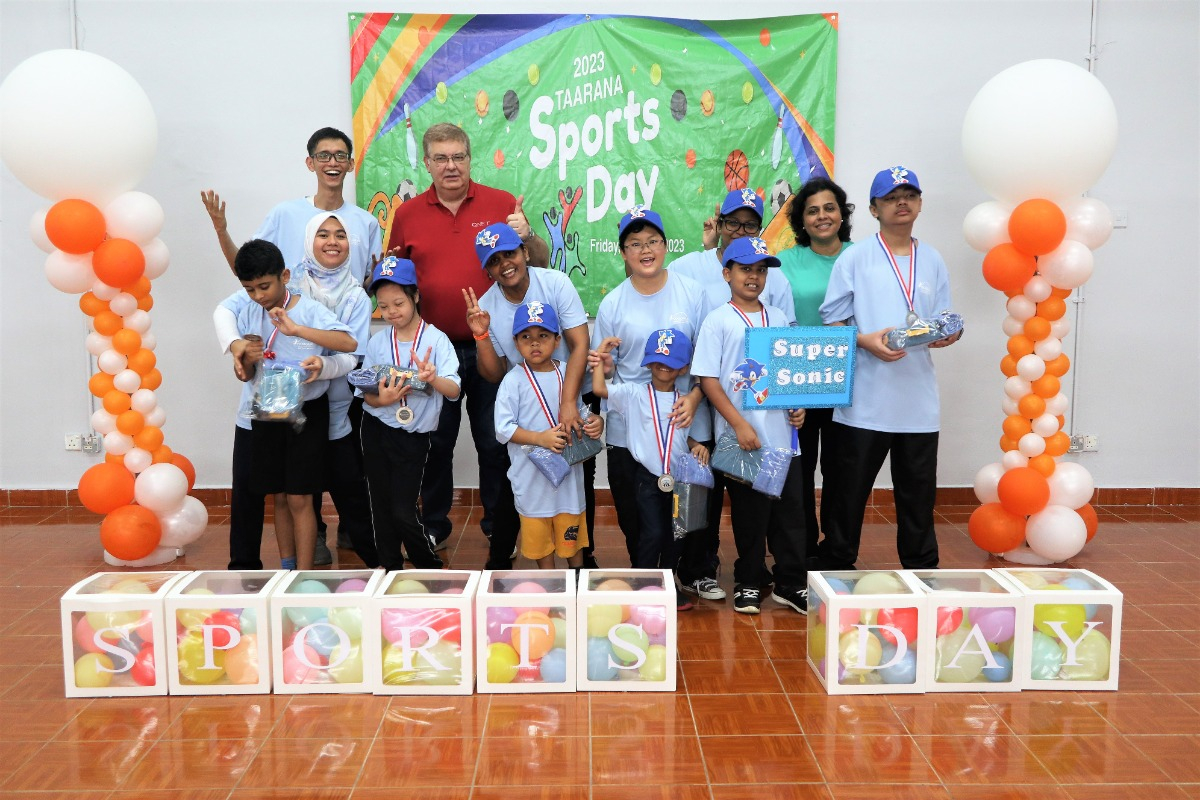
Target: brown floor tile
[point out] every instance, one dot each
(412, 762)
(916, 791)
(1124, 792)
(1032, 791)
(1147, 713)
(306, 763)
(821, 714)
(545, 715)
(533, 761)
(441, 716)
(1094, 759)
(744, 714)
(948, 714)
(336, 716)
(776, 791)
(227, 717)
(638, 715)
(422, 793)
(982, 759)
(193, 763)
(1177, 756)
(731, 677)
(173, 794)
(1046, 714)
(290, 793)
(653, 761)
(872, 759)
(757, 759)
(528, 793)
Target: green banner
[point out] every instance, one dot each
(587, 115)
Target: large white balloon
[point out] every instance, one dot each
(70, 273)
(161, 488)
(1069, 265)
(1071, 485)
(157, 258)
(986, 481)
(75, 125)
(135, 216)
(103, 422)
(986, 225)
(37, 231)
(1043, 128)
(1088, 221)
(185, 525)
(1030, 368)
(1056, 532)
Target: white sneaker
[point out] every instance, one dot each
(706, 588)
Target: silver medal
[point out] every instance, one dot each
(666, 483)
(912, 318)
(405, 416)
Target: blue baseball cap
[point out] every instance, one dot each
(887, 180)
(749, 250)
(742, 198)
(399, 271)
(639, 214)
(669, 346)
(495, 239)
(535, 314)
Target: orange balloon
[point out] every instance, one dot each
(1007, 444)
(1037, 226)
(996, 530)
(1008, 269)
(1044, 464)
(1090, 519)
(1015, 426)
(139, 288)
(113, 458)
(119, 262)
(106, 323)
(1060, 293)
(1051, 308)
(1058, 366)
(182, 461)
(1062, 421)
(1023, 491)
(1037, 328)
(1008, 366)
(1020, 345)
(92, 305)
(162, 455)
(1031, 406)
(116, 402)
(142, 361)
(130, 532)
(100, 384)
(1058, 444)
(1045, 386)
(149, 438)
(75, 226)
(152, 379)
(126, 341)
(105, 487)
(146, 303)
(131, 423)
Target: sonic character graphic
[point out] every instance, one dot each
(746, 375)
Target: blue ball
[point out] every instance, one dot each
(903, 671)
(322, 638)
(1002, 672)
(554, 666)
(599, 657)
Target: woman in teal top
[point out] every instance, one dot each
(820, 218)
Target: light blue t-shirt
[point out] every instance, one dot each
(518, 406)
(632, 401)
(705, 268)
(427, 408)
(551, 287)
(285, 224)
(898, 396)
(632, 316)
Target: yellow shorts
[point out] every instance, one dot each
(562, 535)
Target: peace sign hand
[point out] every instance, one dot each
(478, 320)
(426, 369)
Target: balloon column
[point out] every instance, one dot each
(1035, 137)
(77, 129)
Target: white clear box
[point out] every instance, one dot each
(1072, 638)
(317, 623)
(220, 631)
(627, 630)
(115, 635)
(524, 631)
(871, 647)
(968, 638)
(421, 629)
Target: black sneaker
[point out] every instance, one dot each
(796, 599)
(321, 555)
(747, 600)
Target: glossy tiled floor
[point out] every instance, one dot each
(748, 721)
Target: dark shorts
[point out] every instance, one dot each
(289, 461)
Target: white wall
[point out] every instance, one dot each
(238, 86)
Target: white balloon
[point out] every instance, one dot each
(123, 304)
(1070, 485)
(1037, 289)
(157, 258)
(986, 481)
(138, 321)
(111, 361)
(135, 216)
(1031, 445)
(138, 460)
(1013, 459)
(1069, 265)
(185, 525)
(97, 343)
(149, 341)
(75, 125)
(1020, 308)
(986, 225)
(1056, 532)
(37, 231)
(161, 488)
(1043, 128)
(1057, 405)
(1088, 221)
(127, 381)
(1060, 328)
(1023, 555)
(1046, 425)
(1030, 367)
(143, 401)
(70, 273)
(104, 291)
(1009, 406)
(103, 422)
(1012, 327)
(117, 443)
(1047, 349)
(1017, 387)
(157, 417)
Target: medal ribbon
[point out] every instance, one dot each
(746, 318)
(664, 442)
(412, 351)
(906, 289)
(267, 351)
(541, 396)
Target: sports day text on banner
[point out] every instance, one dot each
(587, 115)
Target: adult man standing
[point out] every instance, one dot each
(436, 230)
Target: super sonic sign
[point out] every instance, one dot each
(797, 368)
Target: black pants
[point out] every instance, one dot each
(346, 483)
(759, 520)
(622, 467)
(657, 547)
(855, 456)
(355, 415)
(395, 461)
(245, 506)
(812, 450)
(699, 557)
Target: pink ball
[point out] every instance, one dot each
(351, 585)
(296, 671)
(653, 619)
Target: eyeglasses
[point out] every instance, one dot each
(442, 160)
(733, 226)
(649, 244)
(323, 156)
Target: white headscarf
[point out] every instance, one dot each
(328, 287)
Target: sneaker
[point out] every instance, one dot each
(705, 588)
(747, 599)
(441, 544)
(796, 599)
(321, 555)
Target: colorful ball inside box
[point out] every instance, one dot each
(422, 646)
(627, 642)
(1053, 623)
(323, 643)
(114, 648)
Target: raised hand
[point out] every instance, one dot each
(516, 220)
(709, 235)
(478, 320)
(215, 207)
(426, 369)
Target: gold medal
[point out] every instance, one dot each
(405, 416)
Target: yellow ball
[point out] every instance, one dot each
(93, 671)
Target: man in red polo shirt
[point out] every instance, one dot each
(436, 230)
